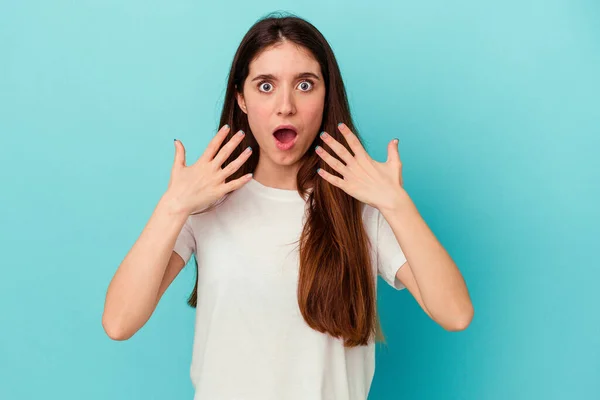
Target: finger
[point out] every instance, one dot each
(393, 152)
(338, 148)
(226, 150)
(236, 183)
(215, 143)
(179, 154)
(333, 162)
(334, 180)
(352, 140)
(235, 164)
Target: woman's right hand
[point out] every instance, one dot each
(196, 187)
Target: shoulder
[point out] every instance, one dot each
(370, 218)
(368, 209)
(370, 214)
(203, 218)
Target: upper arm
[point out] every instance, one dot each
(184, 247)
(392, 263)
(174, 267)
(406, 276)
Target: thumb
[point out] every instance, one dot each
(393, 152)
(179, 154)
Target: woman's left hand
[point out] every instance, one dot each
(371, 182)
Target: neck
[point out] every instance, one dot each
(276, 175)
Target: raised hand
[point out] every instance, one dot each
(374, 183)
(193, 188)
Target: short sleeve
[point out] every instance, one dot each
(390, 256)
(185, 244)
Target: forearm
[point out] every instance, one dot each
(440, 283)
(131, 295)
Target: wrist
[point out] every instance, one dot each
(171, 206)
(398, 202)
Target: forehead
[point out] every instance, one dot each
(284, 59)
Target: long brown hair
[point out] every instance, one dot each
(336, 288)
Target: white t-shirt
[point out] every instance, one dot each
(251, 341)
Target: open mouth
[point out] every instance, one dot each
(285, 138)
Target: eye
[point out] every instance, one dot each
(262, 84)
(306, 83)
(266, 87)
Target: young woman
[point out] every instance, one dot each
(289, 230)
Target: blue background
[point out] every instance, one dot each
(497, 108)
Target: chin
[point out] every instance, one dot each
(286, 158)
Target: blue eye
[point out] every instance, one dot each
(307, 82)
(305, 85)
(260, 85)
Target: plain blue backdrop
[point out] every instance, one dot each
(497, 108)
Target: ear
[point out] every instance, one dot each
(241, 102)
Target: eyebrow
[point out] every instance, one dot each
(273, 78)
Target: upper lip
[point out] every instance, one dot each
(291, 127)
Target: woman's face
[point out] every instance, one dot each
(284, 87)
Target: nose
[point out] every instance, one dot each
(286, 104)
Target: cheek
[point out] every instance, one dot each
(313, 112)
(256, 106)
(257, 115)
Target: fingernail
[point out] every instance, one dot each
(323, 135)
(339, 124)
(241, 133)
(396, 141)
(174, 140)
(248, 149)
(226, 125)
